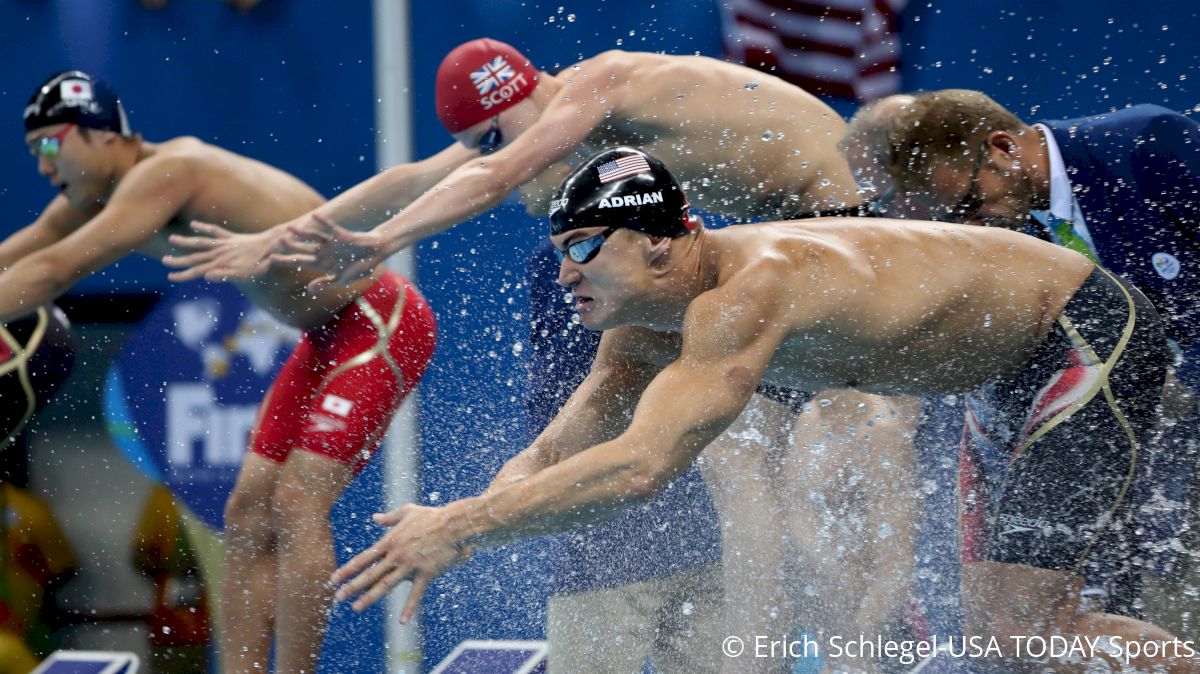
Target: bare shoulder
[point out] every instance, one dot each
(748, 303)
(608, 61)
(605, 71)
(171, 158)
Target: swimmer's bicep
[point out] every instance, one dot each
(430, 171)
(728, 340)
(54, 224)
(568, 120)
(600, 409)
(682, 410)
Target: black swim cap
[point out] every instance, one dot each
(73, 97)
(621, 187)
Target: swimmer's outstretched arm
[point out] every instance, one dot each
(54, 224)
(218, 254)
(599, 410)
(682, 410)
(473, 188)
(148, 196)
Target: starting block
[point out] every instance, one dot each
(495, 657)
(88, 662)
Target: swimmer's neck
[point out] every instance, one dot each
(691, 269)
(128, 153)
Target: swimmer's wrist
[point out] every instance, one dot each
(468, 523)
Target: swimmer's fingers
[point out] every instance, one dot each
(356, 565)
(312, 230)
(330, 228)
(380, 568)
(191, 267)
(210, 230)
(218, 271)
(392, 517)
(189, 274)
(320, 284)
(298, 243)
(380, 587)
(194, 242)
(299, 260)
(420, 583)
(188, 260)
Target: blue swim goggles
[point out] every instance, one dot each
(584, 250)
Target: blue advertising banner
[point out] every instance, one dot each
(187, 386)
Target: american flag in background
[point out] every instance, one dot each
(622, 167)
(492, 75)
(844, 48)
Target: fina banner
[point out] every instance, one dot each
(182, 397)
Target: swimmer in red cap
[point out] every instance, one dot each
(747, 144)
(117, 194)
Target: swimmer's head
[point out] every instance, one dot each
(73, 97)
(479, 80)
(622, 187)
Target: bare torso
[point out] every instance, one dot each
(743, 143)
(244, 195)
(892, 307)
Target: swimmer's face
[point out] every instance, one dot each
(495, 133)
(603, 286)
(993, 191)
(77, 166)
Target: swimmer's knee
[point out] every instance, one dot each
(248, 513)
(304, 497)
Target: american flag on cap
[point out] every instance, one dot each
(623, 167)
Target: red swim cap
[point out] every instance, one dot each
(481, 79)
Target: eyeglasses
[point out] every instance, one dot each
(584, 250)
(972, 201)
(50, 146)
(492, 139)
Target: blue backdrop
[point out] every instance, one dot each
(291, 84)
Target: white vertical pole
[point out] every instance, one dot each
(393, 145)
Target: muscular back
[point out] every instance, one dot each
(743, 143)
(245, 196)
(895, 307)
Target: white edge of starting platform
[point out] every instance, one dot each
(118, 661)
(540, 650)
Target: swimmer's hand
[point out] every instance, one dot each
(321, 244)
(418, 548)
(222, 255)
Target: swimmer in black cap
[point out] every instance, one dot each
(747, 144)
(627, 188)
(119, 194)
(73, 97)
(694, 323)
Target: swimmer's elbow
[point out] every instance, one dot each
(645, 478)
